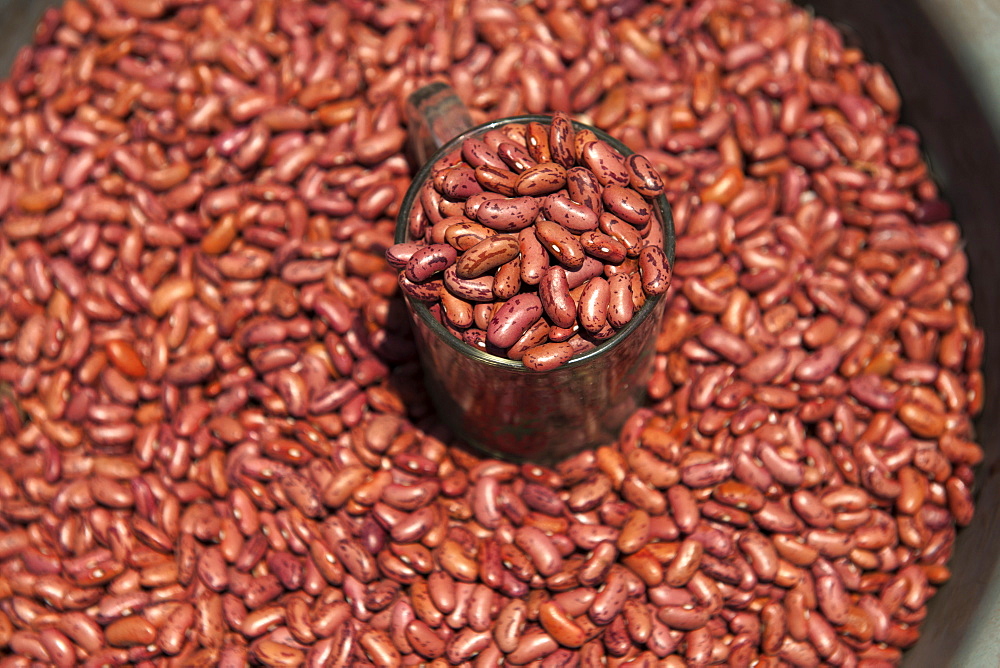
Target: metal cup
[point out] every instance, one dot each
(495, 404)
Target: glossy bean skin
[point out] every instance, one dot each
(593, 305)
(543, 553)
(553, 290)
(486, 255)
(621, 232)
(512, 319)
(583, 188)
(560, 243)
(606, 164)
(627, 204)
(610, 601)
(643, 176)
(541, 179)
(474, 290)
(463, 234)
(621, 304)
(508, 215)
(546, 356)
(603, 247)
(497, 179)
(576, 217)
(428, 261)
(562, 140)
(534, 259)
(684, 564)
(655, 270)
(197, 470)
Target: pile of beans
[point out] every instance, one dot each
(215, 447)
(587, 253)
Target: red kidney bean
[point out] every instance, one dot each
(583, 187)
(598, 564)
(497, 179)
(627, 204)
(707, 473)
(560, 625)
(462, 234)
(58, 648)
(485, 496)
(534, 644)
(832, 598)
(563, 246)
(799, 528)
(558, 304)
(509, 626)
(472, 289)
(684, 564)
(507, 280)
(621, 305)
(172, 632)
(129, 632)
(593, 305)
(541, 179)
(479, 610)
(562, 139)
(727, 344)
(453, 560)
(606, 163)
(539, 547)
(514, 155)
(643, 176)
(609, 602)
(357, 562)
(424, 640)
(576, 217)
(588, 270)
(819, 365)
(508, 215)
(683, 508)
(467, 644)
(761, 554)
(603, 247)
(486, 255)
(654, 268)
(428, 261)
(459, 182)
(534, 259)
(783, 470)
(513, 319)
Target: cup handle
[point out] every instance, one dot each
(434, 115)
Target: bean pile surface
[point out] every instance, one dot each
(215, 448)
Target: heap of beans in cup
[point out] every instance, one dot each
(532, 233)
(215, 446)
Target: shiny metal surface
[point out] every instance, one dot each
(971, 29)
(17, 21)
